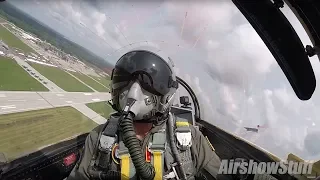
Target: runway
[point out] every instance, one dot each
(50, 85)
(18, 101)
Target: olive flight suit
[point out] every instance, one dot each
(204, 158)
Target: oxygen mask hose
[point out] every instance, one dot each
(101, 175)
(144, 169)
(174, 149)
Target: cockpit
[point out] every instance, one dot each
(247, 76)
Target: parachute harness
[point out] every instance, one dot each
(132, 163)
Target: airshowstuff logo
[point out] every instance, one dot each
(251, 167)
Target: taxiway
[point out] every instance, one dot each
(19, 101)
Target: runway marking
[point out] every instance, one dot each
(8, 107)
(4, 108)
(60, 95)
(68, 101)
(40, 99)
(87, 94)
(96, 100)
(3, 95)
(17, 100)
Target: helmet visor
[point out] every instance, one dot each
(152, 72)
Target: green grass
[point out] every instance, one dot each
(12, 41)
(101, 108)
(103, 80)
(95, 85)
(14, 78)
(61, 78)
(26, 132)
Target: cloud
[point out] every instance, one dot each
(215, 15)
(310, 143)
(251, 101)
(270, 113)
(283, 95)
(198, 88)
(100, 19)
(239, 55)
(228, 100)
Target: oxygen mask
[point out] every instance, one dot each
(141, 103)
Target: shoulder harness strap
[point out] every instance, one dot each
(107, 139)
(157, 147)
(183, 142)
(128, 170)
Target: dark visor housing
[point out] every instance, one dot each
(152, 72)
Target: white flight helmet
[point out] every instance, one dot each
(147, 78)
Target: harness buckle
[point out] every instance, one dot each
(158, 142)
(122, 149)
(184, 140)
(106, 142)
(183, 135)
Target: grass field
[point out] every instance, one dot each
(101, 108)
(61, 78)
(103, 80)
(26, 132)
(14, 78)
(12, 41)
(95, 85)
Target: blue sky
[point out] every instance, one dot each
(214, 48)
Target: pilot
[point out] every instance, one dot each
(143, 139)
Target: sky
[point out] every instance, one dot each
(214, 49)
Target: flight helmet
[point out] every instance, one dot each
(148, 79)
